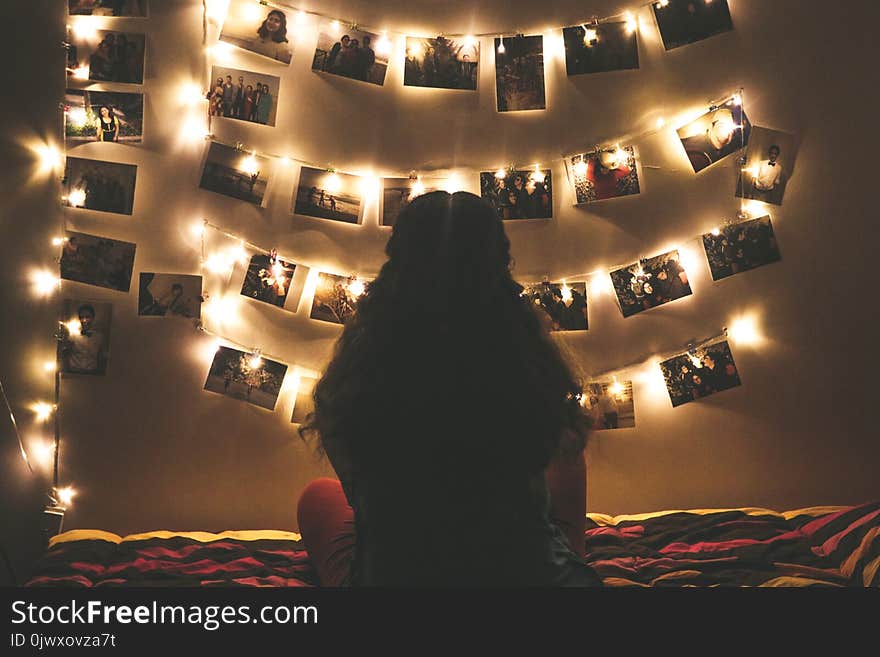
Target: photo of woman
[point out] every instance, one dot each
(108, 125)
(264, 34)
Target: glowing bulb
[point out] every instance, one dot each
(50, 158)
(565, 291)
(300, 17)
(255, 362)
(77, 116)
(190, 94)
(74, 327)
(85, 29)
(716, 231)
(251, 12)
(197, 228)
(42, 452)
(470, 41)
(250, 165)
(335, 26)
(661, 122)
(695, 361)
(333, 183)
(65, 495)
(724, 128)
(42, 410)
(501, 173)
(590, 35)
(383, 45)
(44, 282)
(77, 198)
(745, 331)
(208, 350)
(615, 388)
(221, 309)
(662, 3)
(752, 171)
(222, 52)
(216, 10)
(286, 161)
(218, 263)
(737, 100)
(356, 288)
(453, 184)
(631, 23)
(537, 175)
(620, 155)
(501, 48)
(600, 284)
(49, 366)
(58, 241)
(81, 72)
(580, 168)
(417, 188)
(687, 259)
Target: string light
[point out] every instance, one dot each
(335, 26)
(744, 330)
(417, 188)
(501, 48)
(42, 451)
(73, 327)
(65, 495)
(716, 231)
(580, 168)
(85, 29)
(333, 183)
(250, 165)
(58, 241)
(42, 411)
(565, 291)
(251, 12)
(383, 44)
(501, 173)
(50, 158)
(470, 41)
(190, 94)
(77, 198)
(221, 309)
(356, 287)
(537, 176)
(44, 282)
(197, 228)
(660, 122)
(77, 116)
(631, 24)
(300, 18)
(50, 366)
(616, 388)
(81, 72)
(256, 361)
(590, 35)
(662, 3)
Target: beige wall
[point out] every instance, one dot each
(147, 448)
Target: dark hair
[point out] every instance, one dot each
(110, 113)
(444, 360)
(772, 146)
(177, 286)
(281, 35)
(88, 308)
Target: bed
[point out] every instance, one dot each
(830, 546)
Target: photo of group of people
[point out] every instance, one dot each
(519, 73)
(610, 404)
(258, 29)
(397, 193)
(700, 373)
(103, 116)
(328, 195)
(170, 295)
(304, 402)
(650, 283)
(107, 56)
(610, 173)
(235, 173)
(441, 63)
(132, 8)
(518, 194)
(715, 135)
(564, 304)
(350, 54)
(246, 376)
(97, 261)
(84, 337)
(99, 185)
(268, 279)
(740, 247)
(243, 95)
(769, 164)
(686, 21)
(336, 297)
(600, 47)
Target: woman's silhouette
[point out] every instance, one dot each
(451, 419)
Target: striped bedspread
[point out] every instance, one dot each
(819, 546)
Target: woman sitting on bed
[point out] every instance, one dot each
(451, 419)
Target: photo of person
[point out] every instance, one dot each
(235, 173)
(715, 135)
(103, 116)
(97, 261)
(740, 247)
(563, 304)
(769, 165)
(99, 185)
(170, 295)
(600, 47)
(351, 53)
(700, 373)
(246, 376)
(608, 174)
(268, 279)
(610, 404)
(518, 194)
(84, 337)
(686, 21)
(442, 63)
(104, 56)
(397, 193)
(132, 8)
(519, 73)
(243, 95)
(328, 195)
(304, 403)
(650, 283)
(262, 30)
(336, 297)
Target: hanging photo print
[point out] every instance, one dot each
(235, 173)
(518, 194)
(686, 21)
(769, 166)
(104, 56)
(700, 373)
(246, 376)
(600, 47)
(519, 73)
(740, 247)
(336, 297)
(268, 279)
(243, 95)
(127, 8)
(99, 185)
(442, 63)
(304, 403)
(103, 116)
(170, 295)
(397, 193)
(610, 404)
(328, 195)
(258, 28)
(351, 53)
(97, 261)
(715, 135)
(84, 337)
(608, 174)
(564, 305)
(650, 283)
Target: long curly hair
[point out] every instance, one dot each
(281, 35)
(444, 364)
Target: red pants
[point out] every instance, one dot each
(326, 521)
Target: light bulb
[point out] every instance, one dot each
(300, 17)
(356, 288)
(615, 388)
(77, 116)
(744, 330)
(50, 366)
(250, 165)
(43, 452)
(662, 3)
(470, 41)
(85, 29)
(716, 231)
(58, 241)
(255, 362)
(417, 188)
(537, 175)
(74, 327)
(44, 282)
(42, 410)
(335, 27)
(631, 23)
(565, 291)
(50, 158)
(65, 495)
(77, 198)
(251, 12)
(501, 48)
(737, 100)
(580, 168)
(81, 72)
(383, 45)
(590, 35)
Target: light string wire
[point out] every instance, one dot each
(21, 448)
